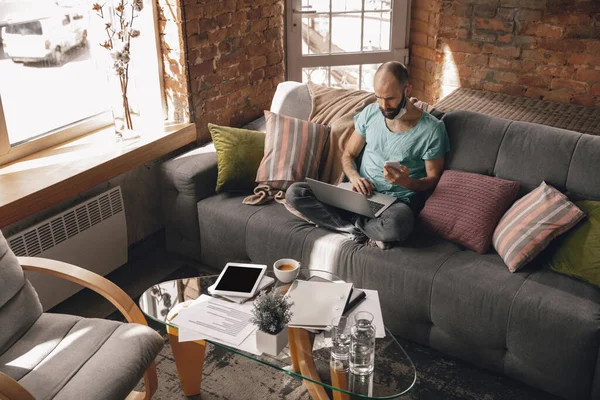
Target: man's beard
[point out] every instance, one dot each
(391, 113)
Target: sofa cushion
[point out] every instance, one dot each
(63, 356)
(583, 180)
(534, 325)
(474, 141)
(470, 306)
(532, 223)
(293, 150)
(274, 233)
(524, 152)
(465, 208)
(223, 221)
(532, 153)
(554, 331)
(402, 275)
(239, 152)
(578, 251)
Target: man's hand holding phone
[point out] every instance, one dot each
(396, 174)
(394, 164)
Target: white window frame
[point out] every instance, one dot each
(150, 92)
(295, 61)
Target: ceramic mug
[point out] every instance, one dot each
(286, 269)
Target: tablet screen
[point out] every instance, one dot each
(239, 279)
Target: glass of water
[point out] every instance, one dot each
(340, 348)
(362, 344)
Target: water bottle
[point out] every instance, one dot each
(362, 344)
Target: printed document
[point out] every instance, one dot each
(222, 320)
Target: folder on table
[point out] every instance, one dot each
(316, 304)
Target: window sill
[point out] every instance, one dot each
(40, 180)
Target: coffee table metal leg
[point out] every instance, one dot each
(303, 354)
(189, 360)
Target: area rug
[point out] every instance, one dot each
(573, 117)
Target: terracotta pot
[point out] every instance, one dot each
(271, 344)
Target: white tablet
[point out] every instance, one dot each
(265, 282)
(241, 280)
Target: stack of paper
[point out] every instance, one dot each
(219, 321)
(316, 304)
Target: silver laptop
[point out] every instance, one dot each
(342, 196)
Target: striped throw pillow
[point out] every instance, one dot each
(531, 224)
(293, 150)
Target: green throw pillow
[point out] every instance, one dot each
(579, 252)
(239, 153)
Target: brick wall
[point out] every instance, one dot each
(425, 60)
(176, 84)
(547, 49)
(235, 55)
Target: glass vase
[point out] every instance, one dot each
(122, 113)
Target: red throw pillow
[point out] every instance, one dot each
(465, 208)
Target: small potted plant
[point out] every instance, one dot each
(271, 313)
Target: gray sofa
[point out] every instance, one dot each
(536, 326)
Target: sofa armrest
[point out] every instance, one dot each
(185, 180)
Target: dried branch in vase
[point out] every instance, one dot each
(118, 24)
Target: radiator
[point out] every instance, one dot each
(91, 235)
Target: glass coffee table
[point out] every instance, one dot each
(306, 356)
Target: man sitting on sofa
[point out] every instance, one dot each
(393, 129)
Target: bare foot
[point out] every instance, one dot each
(379, 243)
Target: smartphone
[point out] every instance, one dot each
(394, 164)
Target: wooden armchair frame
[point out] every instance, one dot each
(12, 390)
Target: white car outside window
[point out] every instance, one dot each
(47, 38)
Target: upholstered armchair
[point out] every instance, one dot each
(59, 356)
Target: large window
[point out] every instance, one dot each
(340, 43)
(54, 82)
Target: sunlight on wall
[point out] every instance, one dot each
(450, 79)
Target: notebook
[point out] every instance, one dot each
(356, 295)
(316, 304)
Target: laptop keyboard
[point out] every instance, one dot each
(374, 206)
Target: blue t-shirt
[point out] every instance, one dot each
(428, 140)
